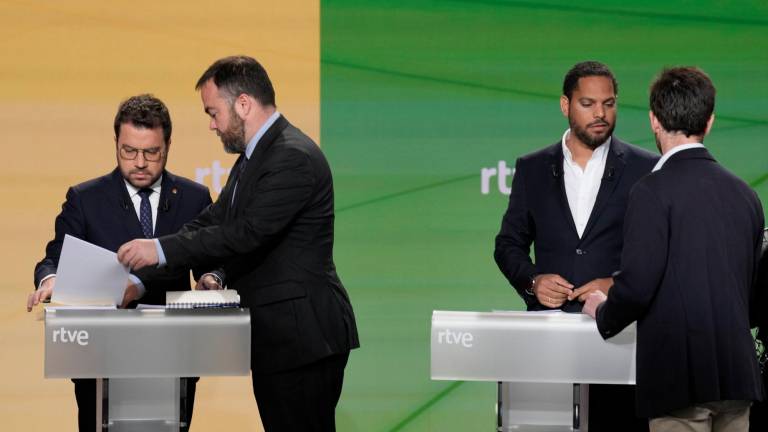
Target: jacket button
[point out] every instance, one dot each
(581, 252)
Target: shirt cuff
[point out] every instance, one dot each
(140, 289)
(44, 279)
(161, 262)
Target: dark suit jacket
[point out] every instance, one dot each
(538, 213)
(100, 211)
(691, 248)
(276, 248)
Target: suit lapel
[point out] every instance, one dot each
(555, 167)
(124, 206)
(257, 157)
(170, 194)
(614, 168)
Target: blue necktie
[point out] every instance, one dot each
(145, 213)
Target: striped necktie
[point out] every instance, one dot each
(145, 212)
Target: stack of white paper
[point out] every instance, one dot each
(88, 275)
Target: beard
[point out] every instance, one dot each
(592, 141)
(234, 137)
(658, 142)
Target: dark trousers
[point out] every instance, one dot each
(85, 394)
(758, 417)
(612, 408)
(301, 399)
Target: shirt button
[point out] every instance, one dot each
(581, 252)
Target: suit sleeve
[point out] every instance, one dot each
(513, 243)
(210, 214)
(759, 292)
(273, 202)
(206, 217)
(643, 262)
(156, 280)
(69, 221)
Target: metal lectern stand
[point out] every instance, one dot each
(543, 363)
(138, 357)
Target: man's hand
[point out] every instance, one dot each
(594, 299)
(138, 253)
(41, 294)
(551, 290)
(131, 293)
(582, 292)
(208, 282)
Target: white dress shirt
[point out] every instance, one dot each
(154, 202)
(582, 185)
(154, 199)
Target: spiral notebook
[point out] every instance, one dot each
(201, 299)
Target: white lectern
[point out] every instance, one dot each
(543, 362)
(138, 357)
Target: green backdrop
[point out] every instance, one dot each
(419, 96)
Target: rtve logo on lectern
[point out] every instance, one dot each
(450, 337)
(500, 173)
(63, 335)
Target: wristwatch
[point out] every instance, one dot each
(529, 290)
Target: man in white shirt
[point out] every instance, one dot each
(568, 200)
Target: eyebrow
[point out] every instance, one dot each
(587, 99)
(130, 147)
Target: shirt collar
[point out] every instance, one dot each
(260, 133)
(133, 190)
(599, 153)
(674, 150)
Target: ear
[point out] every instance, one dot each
(243, 106)
(565, 105)
(710, 122)
(655, 123)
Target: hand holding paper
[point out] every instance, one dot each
(137, 254)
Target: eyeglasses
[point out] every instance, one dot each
(150, 155)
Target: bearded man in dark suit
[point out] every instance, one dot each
(271, 233)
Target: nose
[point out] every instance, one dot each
(212, 125)
(599, 111)
(140, 160)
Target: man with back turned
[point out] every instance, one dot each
(691, 251)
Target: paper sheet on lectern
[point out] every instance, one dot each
(88, 275)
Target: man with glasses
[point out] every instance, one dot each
(138, 199)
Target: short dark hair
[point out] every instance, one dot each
(683, 99)
(583, 70)
(145, 111)
(236, 75)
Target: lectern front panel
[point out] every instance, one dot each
(146, 343)
(549, 347)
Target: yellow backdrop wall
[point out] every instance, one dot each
(64, 68)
